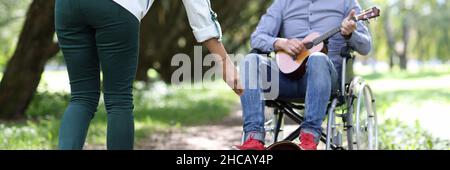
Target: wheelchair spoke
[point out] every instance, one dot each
(361, 124)
(356, 127)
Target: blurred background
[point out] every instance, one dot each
(408, 69)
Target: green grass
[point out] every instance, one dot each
(396, 135)
(413, 108)
(408, 75)
(157, 108)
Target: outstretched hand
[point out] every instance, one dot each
(229, 73)
(231, 77)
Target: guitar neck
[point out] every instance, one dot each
(326, 35)
(329, 34)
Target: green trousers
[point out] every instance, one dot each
(98, 35)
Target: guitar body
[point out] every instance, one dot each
(295, 67)
(284, 146)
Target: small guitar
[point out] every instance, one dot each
(295, 66)
(284, 146)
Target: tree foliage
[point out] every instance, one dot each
(411, 29)
(165, 32)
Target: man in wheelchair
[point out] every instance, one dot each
(281, 29)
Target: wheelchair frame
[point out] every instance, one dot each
(343, 99)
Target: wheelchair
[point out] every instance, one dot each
(351, 121)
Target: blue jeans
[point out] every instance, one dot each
(263, 80)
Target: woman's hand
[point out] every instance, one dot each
(231, 76)
(230, 73)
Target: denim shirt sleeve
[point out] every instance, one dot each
(268, 28)
(361, 38)
(202, 20)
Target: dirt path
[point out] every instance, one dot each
(221, 135)
(218, 136)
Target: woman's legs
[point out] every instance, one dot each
(112, 36)
(119, 64)
(77, 41)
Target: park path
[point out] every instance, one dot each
(222, 135)
(218, 136)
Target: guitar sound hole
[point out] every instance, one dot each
(309, 45)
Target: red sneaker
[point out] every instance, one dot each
(251, 144)
(307, 141)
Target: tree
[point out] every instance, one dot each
(412, 30)
(12, 15)
(404, 35)
(24, 69)
(8, 11)
(165, 32)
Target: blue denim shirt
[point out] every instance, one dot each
(298, 18)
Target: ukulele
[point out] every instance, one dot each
(295, 66)
(284, 146)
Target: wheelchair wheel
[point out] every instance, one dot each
(362, 133)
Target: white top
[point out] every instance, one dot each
(202, 19)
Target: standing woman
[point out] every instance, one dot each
(104, 34)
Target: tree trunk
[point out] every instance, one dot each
(404, 54)
(391, 60)
(389, 37)
(24, 69)
(161, 30)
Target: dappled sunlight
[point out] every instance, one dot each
(419, 102)
(433, 116)
(424, 83)
(54, 81)
(158, 108)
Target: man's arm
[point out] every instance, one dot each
(267, 31)
(360, 39)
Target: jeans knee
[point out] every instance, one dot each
(120, 102)
(319, 66)
(318, 58)
(86, 99)
(318, 61)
